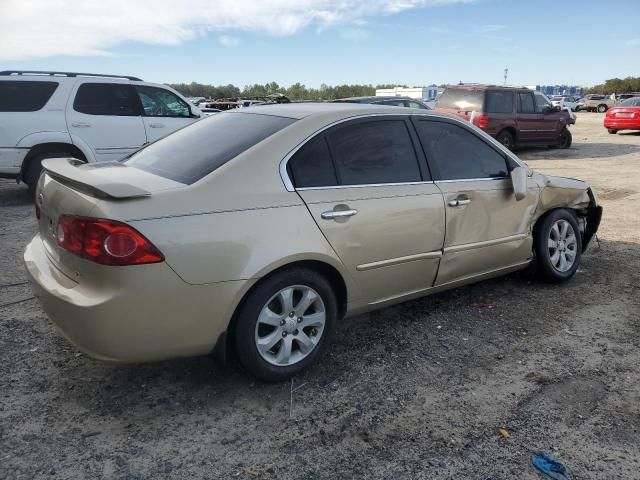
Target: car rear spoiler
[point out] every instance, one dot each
(86, 178)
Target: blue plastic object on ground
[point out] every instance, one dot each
(548, 465)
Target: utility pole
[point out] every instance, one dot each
(506, 71)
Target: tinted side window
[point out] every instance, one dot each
(158, 102)
(459, 154)
(525, 103)
(197, 150)
(499, 102)
(371, 152)
(541, 102)
(16, 96)
(311, 166)
(107, 99)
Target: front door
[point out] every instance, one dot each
(163, 112)
(370, 193)
(105, 117)
(486, 228)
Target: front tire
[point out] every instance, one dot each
(557, 245)
(285, 324)
(565, 139)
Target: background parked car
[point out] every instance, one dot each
(89, 117)
(624, 116)
(598, 103)
(565, 101)
(514, 116)
(388, 101)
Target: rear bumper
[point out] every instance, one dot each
(142, 313)
(11, 161)
(622, 124)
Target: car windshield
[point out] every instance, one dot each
(195, 151)
(631, 102)
(461, 99)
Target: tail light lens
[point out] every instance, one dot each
(105, 241)
(481, 121)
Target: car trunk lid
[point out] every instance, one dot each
(69, 188)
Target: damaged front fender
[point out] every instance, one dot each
(561, 192)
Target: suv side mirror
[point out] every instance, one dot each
(548, 109)
(519, 180)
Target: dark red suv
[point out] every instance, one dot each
(513, 116)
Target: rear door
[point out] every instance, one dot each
(499, 107)
(368, 189)
(526, 117)
(164, 112)
(105, 116)
(487, 229)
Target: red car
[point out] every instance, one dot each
(625, 116)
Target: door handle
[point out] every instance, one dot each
(332, 214)
(459, 203)
(80, 124)
(156, 125)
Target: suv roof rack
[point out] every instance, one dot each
(66, 74)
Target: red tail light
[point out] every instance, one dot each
(105, 241)
(481, 121)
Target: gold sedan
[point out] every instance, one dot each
(259, 229)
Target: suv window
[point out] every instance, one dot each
(376, 151)
(526, 103)
(411, 104)
(499, 101)
(107, 99)
(458, 154)
(17, 96)
(192, 153)
(158, 102)
(311, 166)
(541, 103)
(461, 99)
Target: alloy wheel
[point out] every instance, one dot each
(563, 245)
(290, 325)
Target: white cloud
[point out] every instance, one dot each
(43, 28)
(634, 42)
(228, 41)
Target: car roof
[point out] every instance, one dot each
(373, 98)
(340, 110)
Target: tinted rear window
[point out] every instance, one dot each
(195, 151)
(461, 99)
(17, 96)
(499, 101)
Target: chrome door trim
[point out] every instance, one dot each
(334, 187)
(472, 180)
(397, 261)
(288, 184)
(486, 243)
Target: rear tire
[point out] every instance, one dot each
(602, 108)
(506, 139)
(612, 131)
(565, 139)
(34, 169)
(557, 244)
(273, 318)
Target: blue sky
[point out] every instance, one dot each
(414, 42)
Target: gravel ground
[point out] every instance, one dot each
(416, 391)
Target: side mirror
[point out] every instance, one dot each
(519, 180)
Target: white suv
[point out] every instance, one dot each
(90, 117)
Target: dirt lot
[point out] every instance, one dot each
(417, 391)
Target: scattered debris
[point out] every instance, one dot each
(550, 466)
(504, 432)
(483, 305)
